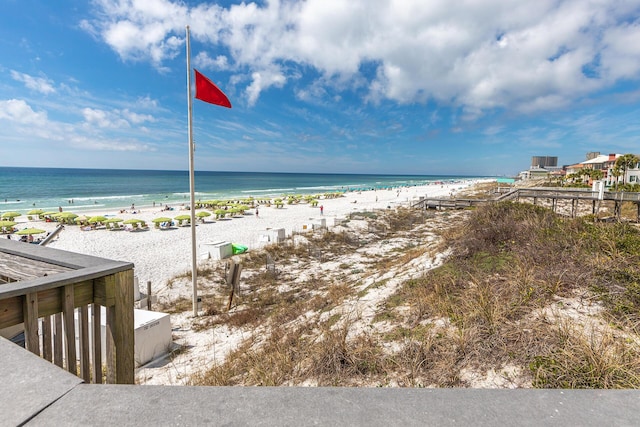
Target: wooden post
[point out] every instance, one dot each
(47, 335)
(97, 344)
(30, 313)
(233, 277)
(122, 327)
(111, 346)
(149, 295)
(70, 329)
(83, 333)
(57, 339)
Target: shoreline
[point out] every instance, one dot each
(159, 255)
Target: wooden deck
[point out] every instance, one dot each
(56, 292)
(14, 268)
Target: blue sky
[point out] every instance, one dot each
(358, 86)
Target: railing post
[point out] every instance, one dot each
(83, 334)
(120, 338)
(97, 344)
(30, 311)
(57, 339)
(70, 329)
(47, 335)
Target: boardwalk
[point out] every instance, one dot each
(537, 195)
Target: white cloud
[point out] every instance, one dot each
(140, 29)
(261, 80)
(18, 111)
(203, 60)
(621, 55)
(115, 119)
(478, 55)
(137, 118)
(38, 84)
(103, 119)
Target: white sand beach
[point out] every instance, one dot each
(159, 255)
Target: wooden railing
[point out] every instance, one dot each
(553, 194)
(58, 309)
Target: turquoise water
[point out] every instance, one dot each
(23, 189)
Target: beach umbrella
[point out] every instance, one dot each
(67, 216)
(166, 222)
(81, 218)
(161, 219)
(113, 220)
(181, 218)
(50, 213)
(35, 212)
(202, 215)
(28, 231)
(135, 222)
(10, 215)
(7, 226)
(98, 218)
(132, 221)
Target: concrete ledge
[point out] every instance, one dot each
(293, 406)
(35, 392)
(28, 384)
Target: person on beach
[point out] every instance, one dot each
(321, 210)
(256, 212)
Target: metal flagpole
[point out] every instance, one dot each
(192, 208)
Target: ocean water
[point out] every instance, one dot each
(23, 189)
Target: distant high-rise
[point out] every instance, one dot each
(544, 161)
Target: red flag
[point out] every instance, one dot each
(207, 91)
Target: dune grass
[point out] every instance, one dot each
(553, 301)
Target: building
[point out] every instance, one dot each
(544, 162)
